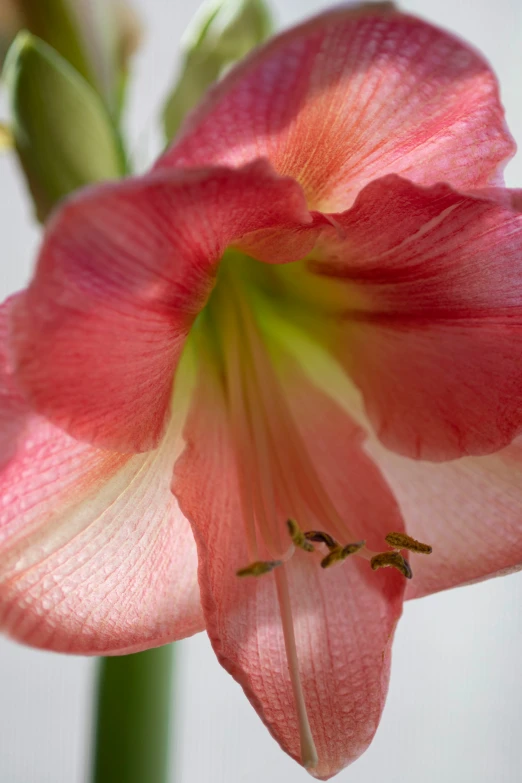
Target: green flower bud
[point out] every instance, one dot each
(222, 33)
(61, 129)
(97, 37)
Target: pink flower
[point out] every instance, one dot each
(361, 376)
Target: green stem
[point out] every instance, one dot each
(132, 718)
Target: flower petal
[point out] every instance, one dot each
(13, 408)
(469, 510)
(352, 95)
(123, 271)
(431, 330)
(95, 556)
(343, 617)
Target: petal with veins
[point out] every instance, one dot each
(352, 95)
(469, 510)
(13, 408)
(342, 619)
(432, 326)
(123, 272)
(95, 556)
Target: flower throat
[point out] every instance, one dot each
(280, 491)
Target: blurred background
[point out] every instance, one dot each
(454, 711)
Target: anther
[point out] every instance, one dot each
(394, 559)
(298, 537)
(322, 538)
(403, 541)
(259, 568)
(340, 553)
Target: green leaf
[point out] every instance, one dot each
(222, 33)
(62, 132)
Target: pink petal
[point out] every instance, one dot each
(352, 95)
(123, 271)
(13, 409)
(343, 618)
(432, 330)
(95, 556)
(469, 510)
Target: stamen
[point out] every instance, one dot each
(298, 537)
(264, 488)
(394, 559)
(339, 554)
(403, 541)
(322, 538)
(259, 568)
(241, 435)
(281, 427)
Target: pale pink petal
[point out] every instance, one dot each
(123, 271)
(430, 324)
(469, 510)
(343, 618)
(352, 95)
(95, 556)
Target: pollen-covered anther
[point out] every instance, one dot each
(340, 553)
(403, 541)
(393, 559)
(322, 538)
(259, 568)
(299, 538)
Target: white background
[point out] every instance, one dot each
(454, 712)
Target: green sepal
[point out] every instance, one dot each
(62, 131)
(222, 33)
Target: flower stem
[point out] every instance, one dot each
(132, 718)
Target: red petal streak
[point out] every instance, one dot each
(342, 619)
(95, 556)
(432, 330)
(469, 510)
(123, 271)
(352, 95)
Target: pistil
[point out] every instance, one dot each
(262, 429)
(308, 751)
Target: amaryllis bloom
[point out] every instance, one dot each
(292, 352)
